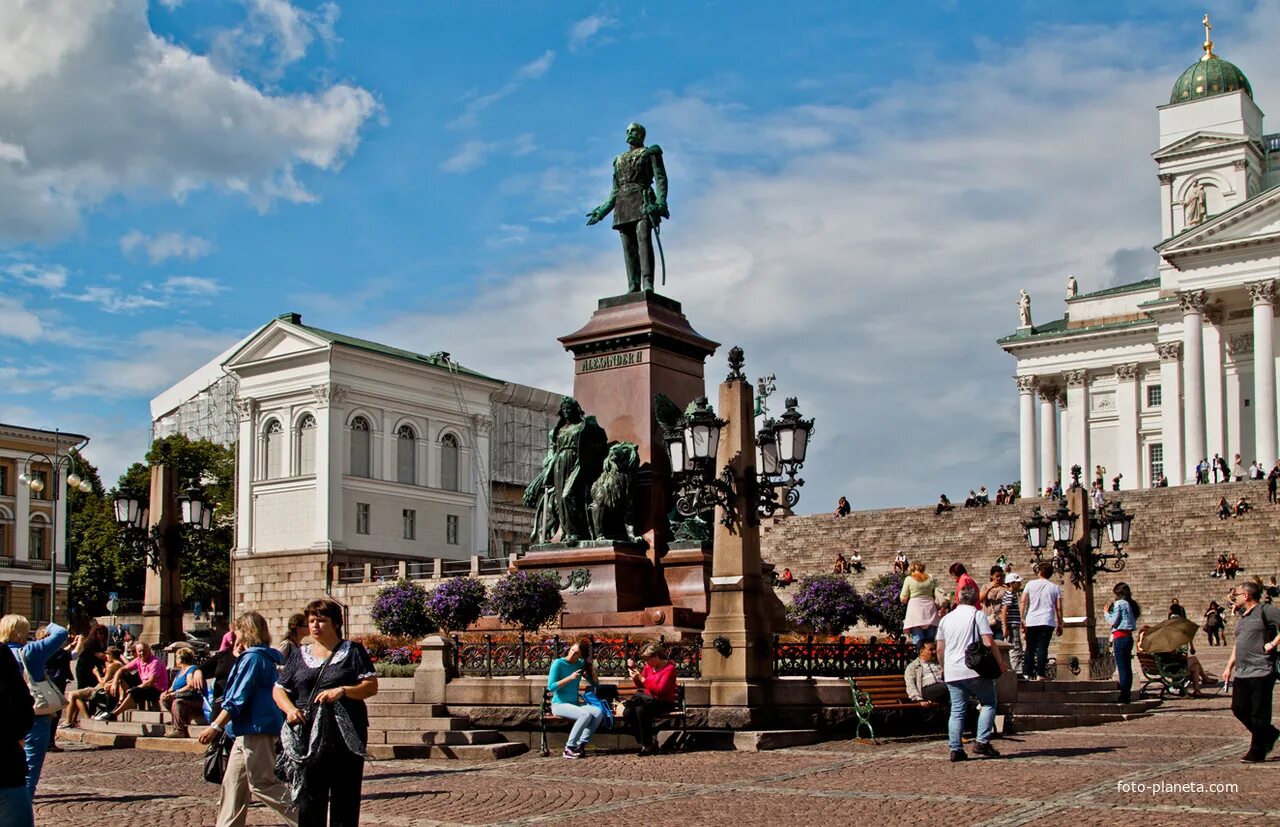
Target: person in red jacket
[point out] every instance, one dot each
(657, 695)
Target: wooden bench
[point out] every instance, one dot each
(677, 716)
(1169, 677)
(882, 694)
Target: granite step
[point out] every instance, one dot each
(447, 737)
(1023, 707)
(381, 709)
(460, 752)
(1028, 723)
(395, 723)
(121, 728)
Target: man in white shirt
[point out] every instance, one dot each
(961, 627)
(1041, 606)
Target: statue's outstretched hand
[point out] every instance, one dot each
(593, 217)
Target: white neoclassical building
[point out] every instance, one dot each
(1152, 377)
(362, 451)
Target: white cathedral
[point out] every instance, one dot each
(1148, 379)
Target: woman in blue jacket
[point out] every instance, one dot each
(1122, 614)
(250, 715)
(14, 630)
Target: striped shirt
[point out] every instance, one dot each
(1011, 603)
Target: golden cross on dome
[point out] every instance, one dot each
(1208, 43)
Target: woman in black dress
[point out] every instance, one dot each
(339, 675)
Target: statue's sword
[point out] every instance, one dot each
(657, 235)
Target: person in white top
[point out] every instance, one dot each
(956, 632)
(1041, 606)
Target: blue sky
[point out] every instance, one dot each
(858, 191)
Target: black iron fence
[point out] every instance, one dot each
(503, 656)
(839, 659)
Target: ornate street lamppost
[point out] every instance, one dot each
(1112, 525)
(781, 447)
(161, 545)
(30, 477)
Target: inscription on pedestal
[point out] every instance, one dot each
(613, 360)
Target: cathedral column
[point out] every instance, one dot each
(330, 430)
(1193, 302)
(1077, 382)
(1048, 436)
(1128, 451)
(1171, 411)
(1027, 434)
(1263, 295)
(1166, 198)
(246, 461)
(483, 538)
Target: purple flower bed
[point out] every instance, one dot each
(526, 600)
(457, 603)
(881, 604)
(400, 609)
(825, 603)
(401, 656)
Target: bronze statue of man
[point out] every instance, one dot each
(638, 202)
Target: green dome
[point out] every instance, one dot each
(1208, 77)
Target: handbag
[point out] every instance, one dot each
(979, 657)
(216, 756)
(48, 700)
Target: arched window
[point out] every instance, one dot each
(449, 462)
(361, 446)
(307, 445)
(6, 531)
(406, 455)
(37, 538)
(273, 436)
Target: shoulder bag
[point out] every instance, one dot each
(48, 700)
(979, 657)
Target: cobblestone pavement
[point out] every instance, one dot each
(1161, 769)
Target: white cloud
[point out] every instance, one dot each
(876, 256)
(469, 156)
(17, 322)
(115, 300)
(275, 33)
(148, 362)
(166, 246)
(585, 30)
(186, 287)
(51, 277)
(101, 105)
(532, 70)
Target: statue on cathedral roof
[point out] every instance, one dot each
(1073, 288)
(1024, 309)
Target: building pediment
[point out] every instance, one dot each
(1256, 221)
(276, 340)
(1199, 142)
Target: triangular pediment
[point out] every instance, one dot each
(1257, 219)
(1198, 142)
(276, 340)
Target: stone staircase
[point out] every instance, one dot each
(1059, 704)
(1175, 542)
(398, 728)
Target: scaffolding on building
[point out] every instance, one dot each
(522, 421)
(209, 414)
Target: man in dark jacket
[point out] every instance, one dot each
(17, 714)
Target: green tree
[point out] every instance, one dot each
(98, 566)
(210, 467)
